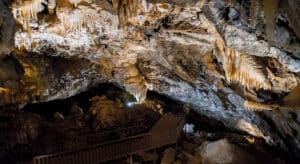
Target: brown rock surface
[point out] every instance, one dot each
(189, 50)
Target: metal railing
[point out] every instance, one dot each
(77, 139)
(115, 149)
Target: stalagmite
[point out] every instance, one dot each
(174, 47)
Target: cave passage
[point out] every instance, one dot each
(149, 81)
(61, 125)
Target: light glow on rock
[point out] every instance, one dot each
(27, 11)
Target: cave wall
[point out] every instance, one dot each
(212, 55)
(7, 28)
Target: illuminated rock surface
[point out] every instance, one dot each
(202, 53)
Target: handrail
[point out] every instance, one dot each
(116, 148)
(74, 140)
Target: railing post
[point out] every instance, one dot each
(131, 160)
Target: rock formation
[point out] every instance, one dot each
(210, 54)
(7, 26)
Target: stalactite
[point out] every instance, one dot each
(28, 11)
(290, 102)
(257, 106)
(244, 69)
(281, 80)
(270, 8)
(145, 5)
(75, 2)
(126, 9)
(51, 6)
(135, 84)
(76, 19)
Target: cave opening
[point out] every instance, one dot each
(70, 124)
(149, 81)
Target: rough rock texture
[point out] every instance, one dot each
(169, 156)
(7, 30)
(47, 78)
(291, 7)
(222, 151)
(195, 51)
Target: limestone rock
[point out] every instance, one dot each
(11, 72)
(222, 152)
(106, 113)
(190, 159)
(57, 79)
(177, 49)
(7, 30)
(292, 10)
(169, 156)
(217, 152)
(233, 14)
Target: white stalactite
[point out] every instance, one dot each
(81, 17)
(27, 11)
(51, 5)
(75, 2)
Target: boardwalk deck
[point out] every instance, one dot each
(166, 131)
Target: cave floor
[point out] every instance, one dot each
(109, 113)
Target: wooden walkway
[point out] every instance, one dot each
(166, 131)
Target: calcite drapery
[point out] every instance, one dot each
(51, 5)
(169, 43)
(27, 10)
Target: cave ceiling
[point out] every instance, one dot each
(226, 59)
